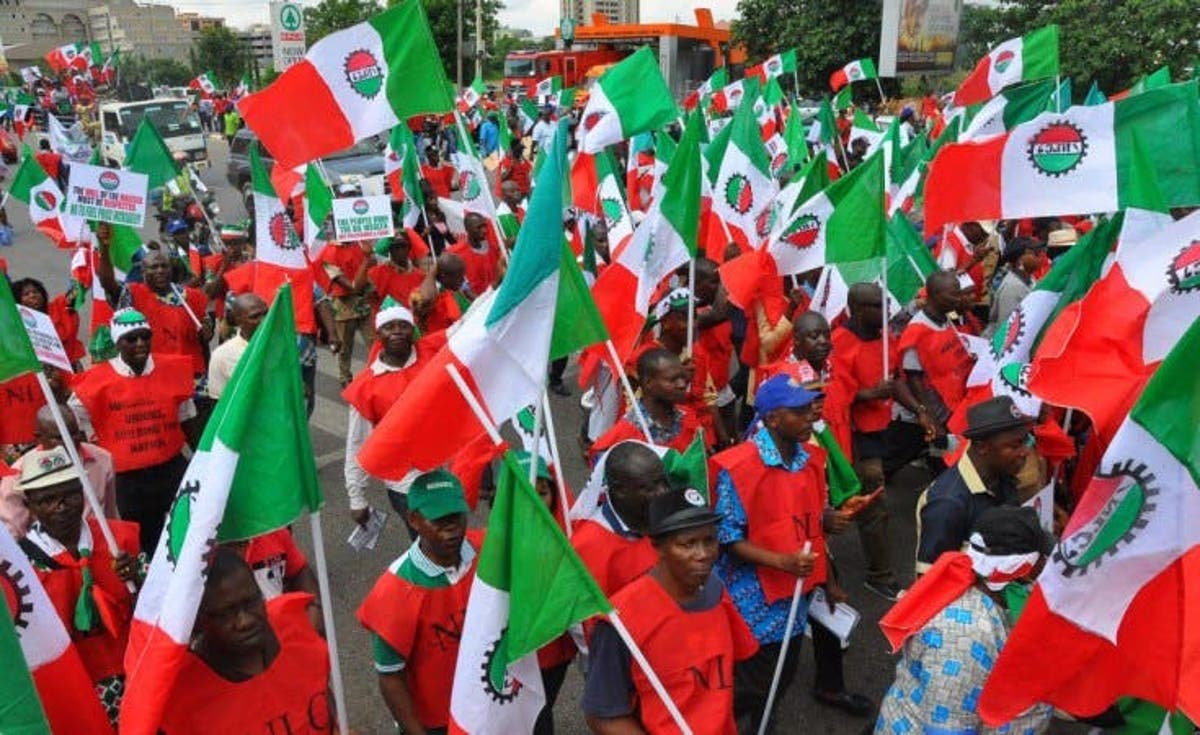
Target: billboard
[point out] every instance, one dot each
(918, 36)
(287, 34)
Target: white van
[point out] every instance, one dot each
(174, 120)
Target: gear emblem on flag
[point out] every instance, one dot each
(1003, 60)
(1010, 334)
(1184, 272)
(765, 221)
(1015, 377)
(281, 232)
(739, 193)
(179, 517)
(803, 231)
(363, 73)
(16, 593)
(1057, 149)
(45, 200)
(1115, 520)
(778, 162)
(592, 120)
(501, 687)
(468, 184)
(612, 210)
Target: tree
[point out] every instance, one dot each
(334, 15)
(443, 22)
(825, 34)
(220, 51)
(140, 70)
(1112, 43)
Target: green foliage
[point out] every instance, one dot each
(1112, 42)
(443, 21)
(220, 51)
(140, 70)
(825, 35)
(334, 15)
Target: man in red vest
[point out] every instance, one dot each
(682, 620)
(479, 255)
(84, 578)
(935, 365)
(416, 609)
(664, 382)
(255, 665)
(438, 173)
(771, 493)
(139, 407)
(612, 540)
(375, 389)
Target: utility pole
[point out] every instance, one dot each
(459, 46)
(478, 39)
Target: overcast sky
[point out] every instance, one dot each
(539, 16)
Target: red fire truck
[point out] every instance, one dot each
(524, 69)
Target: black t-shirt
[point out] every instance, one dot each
(608, 690)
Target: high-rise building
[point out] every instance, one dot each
(616, 11)
(257, 39)
(31, 28)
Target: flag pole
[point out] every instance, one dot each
(886, 328)
(552, 440)
(783, 647)
(619, 626)
(538, 409)
(629, 394)
(335, 668)
(89, 492)
(183, 302)
(488, 425)
(691, 317)
(880, 88)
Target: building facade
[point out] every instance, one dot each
(31, 28)
(617, 11)
(257, 40)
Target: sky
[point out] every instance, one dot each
(539, 16)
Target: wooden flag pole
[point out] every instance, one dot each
(552, 440)
(629, 394)
(335, 668)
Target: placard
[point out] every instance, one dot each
(918, 36)
(107, 195)
(362, 218)
(46, 344)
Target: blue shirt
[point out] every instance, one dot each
(489, 137)
(766, 621)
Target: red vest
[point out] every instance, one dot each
(482, 269)
(20, 399)
(857, 364)
(613, 560)
(718, 343)
(692, 652)
(391, 281)
(624, 430)
(291, 696)
(424, 625)
(102, 648)
(372, 395)
(783, 510)
(174, 331)
(137, 418)
(947, 363)
(265, 279)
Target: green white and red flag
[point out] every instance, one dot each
(774, 66)
(548, 87)
(528, 113)
(611, 203)
(665, 239)
(1160, 77)
(1117, 596)
(630, 98)
(864, 127)
(253, 472)
(64, 57)
(729, 97)
(275, 239)
(47, 205)
(318, 205)
(744, 187)
(1025, 59)
(46, 687)
(541, 311)
(1100, 350)
(1079, 161)
(204, 82)
(472, 177)
(352, 84)
(855, 71)
(716, 81)
(530, 587)
(471, 95)
(1010, 108)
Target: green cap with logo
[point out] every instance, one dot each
(437, 494)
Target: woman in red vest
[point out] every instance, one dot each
(254, 666)
(139, 407)
(683, 621)
(85, 579)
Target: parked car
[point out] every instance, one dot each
(346, 169)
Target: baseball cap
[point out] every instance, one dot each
(523, 459)
(679, 510)
(46, 467)
(127, 320)
(783, 391)
(437, 494)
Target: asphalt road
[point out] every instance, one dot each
(868, 665)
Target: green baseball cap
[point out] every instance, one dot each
(437, 494)
(524, 458)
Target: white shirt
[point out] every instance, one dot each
(357, 430)
(543, 133)
(187, 409)
(224, 359)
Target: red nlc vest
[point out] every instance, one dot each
(947, 363)
(692, 652)
(137, 418)
(424, 625)
(372, 395)
(613, 560)
(783, 510)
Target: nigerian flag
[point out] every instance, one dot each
(318, 201)
(530, 587)
(253, 472)
(630, 98)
